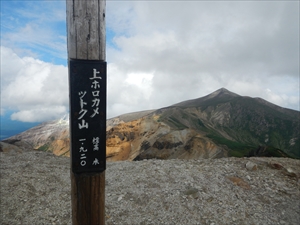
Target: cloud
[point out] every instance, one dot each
(193, 48)
(37, 90)
(35, 28)
(40, 114)
(158, 52)
(127, 92)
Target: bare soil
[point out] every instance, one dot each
(35, 189)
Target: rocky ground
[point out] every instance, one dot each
(35, 189)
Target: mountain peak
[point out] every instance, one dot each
(222, 94)
(223, 91)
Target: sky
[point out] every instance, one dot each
(158, 53)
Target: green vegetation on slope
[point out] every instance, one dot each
(235, 149)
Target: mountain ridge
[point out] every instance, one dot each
(217, 125)
(221, 93)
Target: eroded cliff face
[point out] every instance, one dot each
(51, 136)
(148, 138)
(61, 145)
(126, 140)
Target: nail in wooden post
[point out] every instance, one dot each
(87, 88)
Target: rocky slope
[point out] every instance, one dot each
(148, 138)
(35, 189)
(217, 125)
(51, 136)
(220, 124)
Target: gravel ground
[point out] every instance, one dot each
(35, 189)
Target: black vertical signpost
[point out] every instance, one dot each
(87, 89)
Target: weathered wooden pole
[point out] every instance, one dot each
(87, 86)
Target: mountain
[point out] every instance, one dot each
(218, 125)
(51, 136)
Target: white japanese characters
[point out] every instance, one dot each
(82, 111)
(96, 92)
(96, 143)
(96, 161)
(88, 111)
(82, 151)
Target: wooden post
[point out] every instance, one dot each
(87, 83)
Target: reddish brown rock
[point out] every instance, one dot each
(275, 165)
(239, 182)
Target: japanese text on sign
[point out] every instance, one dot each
(88, 115)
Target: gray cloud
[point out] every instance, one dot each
(162, 53)
(193, 48)
(35, 90)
